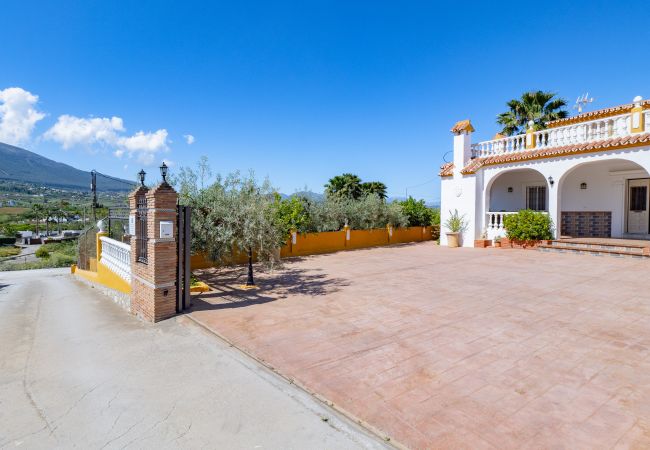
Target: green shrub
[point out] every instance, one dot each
(435, 232)
(42, 252)
(417, 213)
(291, 214)
(364, 213)
(528, 225)
(68, 248)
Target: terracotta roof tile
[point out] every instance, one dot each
(587, 147)
(463, 125)
(447, 169)
(599, 113)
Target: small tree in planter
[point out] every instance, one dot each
(456, 224)
(528, 227)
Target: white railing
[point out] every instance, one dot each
(116, 256)
(578, 133)
(494, 220)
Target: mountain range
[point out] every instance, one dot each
(20, 165)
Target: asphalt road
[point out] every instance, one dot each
(76, 371)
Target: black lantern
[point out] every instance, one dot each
(163, 172)
(583, 185)
(141, 174)
(551, 181)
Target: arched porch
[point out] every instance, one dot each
(604, 199)
(510, 191)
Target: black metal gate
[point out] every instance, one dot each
(183, 270)
(143, 240)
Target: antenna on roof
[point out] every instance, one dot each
(582, 101)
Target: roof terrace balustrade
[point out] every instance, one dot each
(578, 133)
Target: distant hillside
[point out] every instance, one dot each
(17, 164)
(313, 196)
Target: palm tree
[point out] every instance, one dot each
(344, 186)
(540, 107)
(374, 187)
(37, 213)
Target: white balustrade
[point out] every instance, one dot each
(494, 220)
(116, 256)
(577, 133)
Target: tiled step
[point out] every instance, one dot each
(600, 248)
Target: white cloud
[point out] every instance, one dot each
(189, 139)
(70, 131)
(143, 145)
(18, 115)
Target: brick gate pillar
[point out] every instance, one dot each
(153, 252)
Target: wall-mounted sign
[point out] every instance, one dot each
(132, 225)
(166, 229)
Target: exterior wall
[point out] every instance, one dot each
(460, 193)
(104, 276)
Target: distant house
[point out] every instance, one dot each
(590, 173)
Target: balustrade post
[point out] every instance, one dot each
(637, 117)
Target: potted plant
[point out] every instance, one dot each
(483, 242)
(456, 225)
(497, 241)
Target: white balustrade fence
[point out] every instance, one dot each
(494, 220)
(116, 256)
(578, 133)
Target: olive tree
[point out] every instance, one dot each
(233, 215)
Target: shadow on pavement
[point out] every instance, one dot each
(272, 286)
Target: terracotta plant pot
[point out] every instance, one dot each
(497, 244)
(453, 239)
(482, 243)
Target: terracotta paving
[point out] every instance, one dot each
(458, 348)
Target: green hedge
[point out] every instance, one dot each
(7, 240)
(528, 225)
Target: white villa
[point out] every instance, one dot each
(590, 172)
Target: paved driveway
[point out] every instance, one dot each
(462, 348)
(78, 372)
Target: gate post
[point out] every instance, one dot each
(153, 252)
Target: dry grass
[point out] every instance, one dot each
(13, 210)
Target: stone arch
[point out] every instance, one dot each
(505, 191)
(592, 196)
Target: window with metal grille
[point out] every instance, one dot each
(536, 198)
(142, 230)
(638, 198)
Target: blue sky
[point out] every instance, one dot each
(300, 91)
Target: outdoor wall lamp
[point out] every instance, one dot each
(163, 172)
(551, 181)
(583, 185)
(510, 189)
(141, 175)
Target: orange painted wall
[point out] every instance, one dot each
(334, 241)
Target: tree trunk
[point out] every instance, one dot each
(250, 281)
